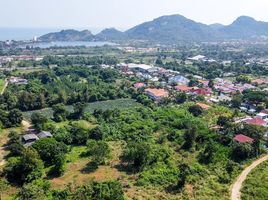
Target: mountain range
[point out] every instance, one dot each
(171, 29)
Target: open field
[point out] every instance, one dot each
(256, 185)
(79, 172)
(104, 105)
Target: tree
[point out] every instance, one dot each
(242, 151)
(26, 168)
(257, 133)
(99, 151)
(79, 109)
(236, 101)
(59, 112)
(15, 117)
(211, 83)
(181, 97)
(59, 164)
(190, 136)
(243, 79)
(223, 121)
(38, 189)
(38, 120)
(196, 110)
(14, 144)
(110, 190)
(97, 133)
(49, 149)
(26, 101)
(185, 171)
(79, 134)
(41, 101)
(136, 154)
(209, 152)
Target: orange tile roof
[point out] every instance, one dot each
(258, 81)
(157, 92)
(204, 106)
(183, 88)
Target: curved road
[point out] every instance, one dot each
(236, 187)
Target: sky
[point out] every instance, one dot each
(122, 14)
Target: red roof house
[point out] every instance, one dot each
(256, 121)
(202, 91)
(243, 139)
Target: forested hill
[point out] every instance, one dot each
(171, 29)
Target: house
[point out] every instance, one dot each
(203, 91)
(139, 85)
(243, 139)
(154, 79)
(262, 116)
(198, 58)
(265, 111)
(256, 121)
(17, 80)
(156, 94)
(44, 134)
(203, 82)
(203, 106)
(183, 88)
(179, 80)
(258, 82)
(29, 139)
(140, 67)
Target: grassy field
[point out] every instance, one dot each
(104, 105)
(256, 185)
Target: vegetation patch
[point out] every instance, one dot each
(90, 107)
(256, 185)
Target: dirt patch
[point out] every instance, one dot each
(76, 174)
(189, 188)
(26, 125)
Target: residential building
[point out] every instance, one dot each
(156, 94)
(179, 80)
(243, 139)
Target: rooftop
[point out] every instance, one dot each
(44, 134)
(256, 121)
(183, 88)
(243, 138)
(30, 137)
(204, 106)
(157, 92)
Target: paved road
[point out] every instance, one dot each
(236, 187)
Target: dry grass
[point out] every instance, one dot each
(79, 172)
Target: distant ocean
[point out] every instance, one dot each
(29, 33)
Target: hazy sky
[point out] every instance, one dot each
(122, 14)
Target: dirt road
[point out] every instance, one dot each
(4, 88)
(236, 187)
